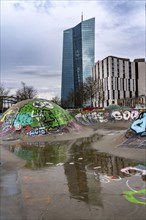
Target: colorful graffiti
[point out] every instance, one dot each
(126, 115)
(135, 195)
(139, 125)
(137, 191)
(105, 116)
(35, 117)
(140, 168)
(131, 196)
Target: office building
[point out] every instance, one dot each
(77, 61)
(121, 82)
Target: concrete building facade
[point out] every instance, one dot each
(123, 82)
(140, 71)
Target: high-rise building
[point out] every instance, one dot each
(77, 61)
(121, 82)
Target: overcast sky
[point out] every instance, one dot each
(32, 37)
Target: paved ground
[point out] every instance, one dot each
(135, 142)
(79, 180)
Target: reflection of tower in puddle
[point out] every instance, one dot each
(81, 182)
(84, 180)
(110, 165)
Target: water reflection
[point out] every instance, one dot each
(85, 168)
(40, 154)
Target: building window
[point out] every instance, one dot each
(117, 84)
(102, 69)
(112, 66)
(113, 94)
(112, 71)
(98, 71)
(118, 71)
(123, 69)
(133, 85)
(107, 83)
(129, 84)
(123, 84)
(112, 83)
(107, 68)
(130, 75)
(118, 94)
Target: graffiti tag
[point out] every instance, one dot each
(37, 131)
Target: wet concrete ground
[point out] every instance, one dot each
(69, 181)
(135, 142)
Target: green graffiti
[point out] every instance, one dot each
(35, 116)
(42, 113)
(129, 195)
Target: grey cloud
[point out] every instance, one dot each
(122, 7)
(39, 5)
(43, 6)
(28, 43)
(18, 6)
(19, 46)
(24, 48)
(122, 13)
(41, 71)
(11, 84)
(48, 89)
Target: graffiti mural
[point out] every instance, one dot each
(139, 125)
(135, 195)
(105, 116)
(126, 115)
(35, 117)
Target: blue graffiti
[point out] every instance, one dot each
(23, 119)
(139, 125)
(37, 131)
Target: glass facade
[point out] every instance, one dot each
(67, 65)
(78, 58)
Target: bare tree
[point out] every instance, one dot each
(3, 94)
(91, 88)
(26, 92)
(3, 91)
(56, 100)
(85, 94)
(99, 95)
(79, 96)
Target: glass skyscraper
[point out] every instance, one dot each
(78, 59)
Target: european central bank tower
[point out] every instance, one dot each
(77, 61)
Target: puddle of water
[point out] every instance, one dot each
(44, 154)
(86, 170)
(70, 178)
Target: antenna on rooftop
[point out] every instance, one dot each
(82, 17)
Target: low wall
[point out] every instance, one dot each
(104, 116)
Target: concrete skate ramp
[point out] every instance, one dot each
(35, 117)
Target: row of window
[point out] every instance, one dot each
(114, 68)
(118, 94)
(118, 84)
